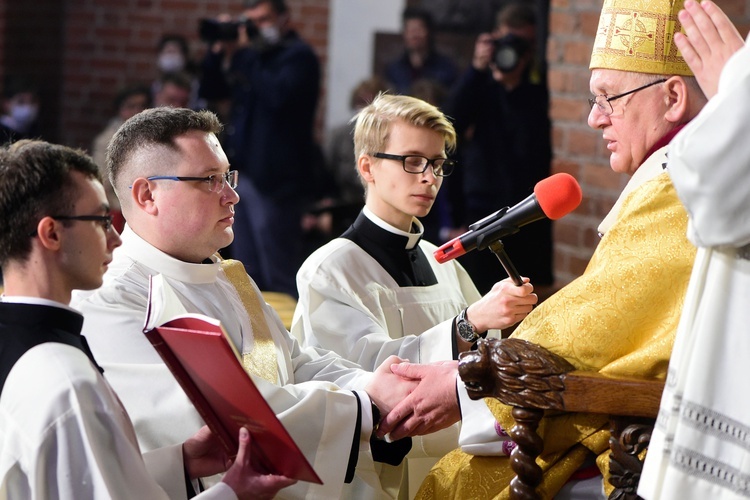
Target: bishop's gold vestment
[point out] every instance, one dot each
(619, 318)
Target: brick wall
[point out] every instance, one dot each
(110, 44)
(579, 150)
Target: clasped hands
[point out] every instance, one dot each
(414, 399)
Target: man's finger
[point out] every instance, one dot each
(688, 53)
(394, 417)
(243, 452)
(701, 24)
(407, 370)
(698, 47)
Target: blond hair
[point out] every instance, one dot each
(373, 122)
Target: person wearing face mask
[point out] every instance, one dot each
(172, 53)
(173, 58)
(20, 109)
(272, 86)
(500, 107)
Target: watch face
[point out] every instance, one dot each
(466, 331)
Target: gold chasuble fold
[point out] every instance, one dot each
(261, 360)
(620, 317)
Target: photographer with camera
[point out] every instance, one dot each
(271, 85)
(500, 108)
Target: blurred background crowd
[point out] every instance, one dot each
(286, 78)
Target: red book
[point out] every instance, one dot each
(204, 361)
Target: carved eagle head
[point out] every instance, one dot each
(514, 371)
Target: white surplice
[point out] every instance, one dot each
(700, 447)
(320, 417)
(350, 304)
(64, 435)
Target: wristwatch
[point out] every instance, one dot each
(465, 329)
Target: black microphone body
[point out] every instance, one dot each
(500, 224)
(553, 198)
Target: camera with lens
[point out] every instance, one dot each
(211, 30)
(508, 51)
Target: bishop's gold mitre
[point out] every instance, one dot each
(637, 35)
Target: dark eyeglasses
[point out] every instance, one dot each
(604, 102)
(104, 220)
(215, 182)
(416, 164)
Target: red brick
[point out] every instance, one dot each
(565, 109)
(562, 23)
(580, 82)
(601, 177)
(566, 233)
(558, 80)
(558, 138)
(554, 51)
(578, 52)
(565, 165)
(312, 11)
(582, 142)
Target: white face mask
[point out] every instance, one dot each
(271, 34)
(171, 62)
(24, 115)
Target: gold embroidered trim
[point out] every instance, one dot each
(261, 361)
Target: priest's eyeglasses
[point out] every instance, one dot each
(215, 182)
(416, 164)
(604, 102)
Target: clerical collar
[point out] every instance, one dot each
(21, 299)
(30, 321)
(412, 238)
(390, 248)
(142, 251)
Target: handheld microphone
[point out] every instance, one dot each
(553, 198)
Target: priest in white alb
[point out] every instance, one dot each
(700, 447)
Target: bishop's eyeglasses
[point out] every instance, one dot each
(604, 102)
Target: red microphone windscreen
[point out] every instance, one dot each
(558, 195)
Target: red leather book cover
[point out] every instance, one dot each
(205, 363)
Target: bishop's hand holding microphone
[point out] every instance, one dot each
(553, 198)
